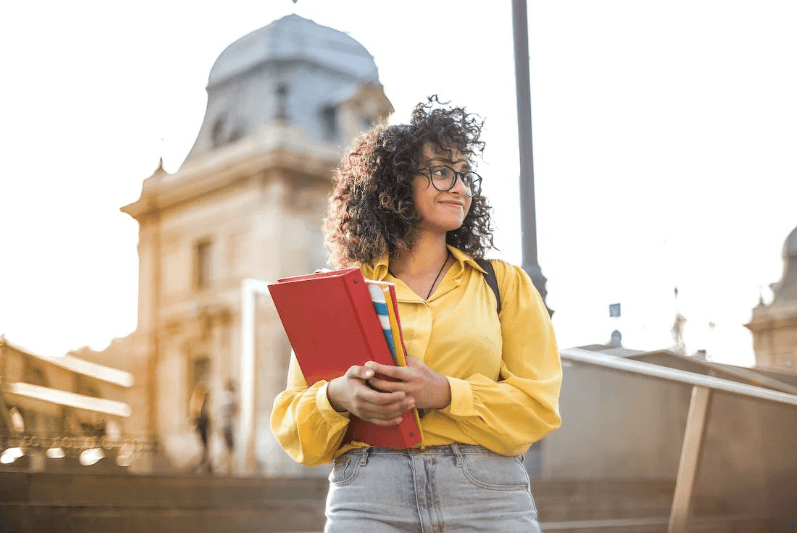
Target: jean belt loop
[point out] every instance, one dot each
(364, 456)
(457, 454)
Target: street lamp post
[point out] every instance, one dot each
(527, 201)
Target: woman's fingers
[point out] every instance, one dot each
(397, 372)
(387, 386)
(375, 406)
(383, 405)
(428, 388)
(359, 372)
(414, 362)
(386, 423)
(376, 397)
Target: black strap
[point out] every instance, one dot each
(492, 281)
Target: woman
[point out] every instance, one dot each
(407, 208)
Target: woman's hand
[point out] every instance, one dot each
(351, 392)
(428, 389)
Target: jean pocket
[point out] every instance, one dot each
(495, 472)
(344, 469)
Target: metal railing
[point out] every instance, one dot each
(697, 417)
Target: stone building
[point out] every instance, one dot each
(774, 326)
(284, 102)
(59, 405)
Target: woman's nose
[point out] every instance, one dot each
(459, 185)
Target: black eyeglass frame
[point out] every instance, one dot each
(476, 184)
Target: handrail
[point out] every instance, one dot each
(614, 362)
(696, 418)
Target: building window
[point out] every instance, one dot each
(202, 264)
(282, 101)
(200, 371)
(329, 117)
(86, 388)
(34, 374)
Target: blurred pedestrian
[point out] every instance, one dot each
(229, 413)
(200, 415)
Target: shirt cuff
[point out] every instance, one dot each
(461, 398)
(332, 417)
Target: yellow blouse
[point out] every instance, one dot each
(505, 374)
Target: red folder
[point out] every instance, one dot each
(331, 323)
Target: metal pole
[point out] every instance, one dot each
(527, 201)
(690, 460)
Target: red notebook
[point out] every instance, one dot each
(331, 323)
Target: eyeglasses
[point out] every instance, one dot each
(444, 178)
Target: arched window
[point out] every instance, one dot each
(202, 264)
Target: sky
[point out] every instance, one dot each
(664, 138)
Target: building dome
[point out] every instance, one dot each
(295, 38)
(786, 288)
(292, 74)
(790, 246)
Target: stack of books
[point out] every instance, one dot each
(338, 319)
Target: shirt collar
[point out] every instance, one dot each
(463, 258)
(378, 269)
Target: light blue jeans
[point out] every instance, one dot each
(439, 489)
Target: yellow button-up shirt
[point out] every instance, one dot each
(504, 370)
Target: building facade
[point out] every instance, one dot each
(284, 102)
(52, 409)
(774, 326)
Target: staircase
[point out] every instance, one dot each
(629, 506)
(122, 503)
(82, 503)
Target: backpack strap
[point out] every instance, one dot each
(491, 280)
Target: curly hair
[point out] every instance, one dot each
(371, 209)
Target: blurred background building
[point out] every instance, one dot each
(283, 104)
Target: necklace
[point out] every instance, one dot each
(448, 253)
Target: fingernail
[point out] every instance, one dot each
(369, 373)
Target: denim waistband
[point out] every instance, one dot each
(454, 449)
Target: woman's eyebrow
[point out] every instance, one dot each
(449, 161)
